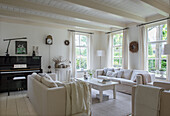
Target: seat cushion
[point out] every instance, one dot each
(116, 79)
(127, 82)
(127, 74)
(135, 72)
(102, 77)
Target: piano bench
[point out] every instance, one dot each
(19, 78)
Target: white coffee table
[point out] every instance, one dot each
(101, 87)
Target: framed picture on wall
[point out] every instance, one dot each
(20, 47)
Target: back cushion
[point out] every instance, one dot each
(107, 69)
(111, 74)
(48, 82)
(135, 72)
(127, 74)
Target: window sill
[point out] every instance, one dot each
(160, 78)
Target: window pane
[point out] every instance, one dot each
(162, 50)
(151, 65)
(83, 40)
(163, 32)
(163, 64)
(77, 63)
(151, 50)
(77, 40)
(117, 39)
(84, 63)
(116, 62)
(153, 33)
(83, 52)
(77, 51)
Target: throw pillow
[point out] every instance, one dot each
(111, 74)
(127, 74)
(114, 74)
(48, 82)
(38, 77)
(119, 74)
(34, 74)
(111, 69)
(105, 71)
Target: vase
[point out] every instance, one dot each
(36, 50)
(33, 51)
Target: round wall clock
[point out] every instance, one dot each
(49, 40)
(66, 42)
(133, 46)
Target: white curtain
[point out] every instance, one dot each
(72, 53)
(125, 50)
(168, 57)
(90, 52)
(109, 50)
(142, 48)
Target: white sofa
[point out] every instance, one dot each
(128, 78)
(46, 101)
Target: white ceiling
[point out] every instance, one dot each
(78, 13)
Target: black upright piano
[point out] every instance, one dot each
(12, 67)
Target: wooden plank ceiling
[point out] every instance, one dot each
(100, 15)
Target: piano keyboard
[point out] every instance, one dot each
(13, 72)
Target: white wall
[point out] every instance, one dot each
(36, 37)
(133, 57)
(100, 42)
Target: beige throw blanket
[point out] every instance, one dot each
(147, 100)
(78, 99)
(146, 78)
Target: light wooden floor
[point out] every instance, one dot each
(17, 104)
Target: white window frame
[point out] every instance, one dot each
(114, 46)
(87, 35)
(155, 42)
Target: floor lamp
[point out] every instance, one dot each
(100, 53)
(167, 52)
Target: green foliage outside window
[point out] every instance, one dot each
(81, 52)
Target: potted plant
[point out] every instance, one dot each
(153, 70)
(90, 73)
(162, 70)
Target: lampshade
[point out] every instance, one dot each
(100, 53)
(167, 49)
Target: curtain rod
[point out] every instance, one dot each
(153, 21)
(117, 30)
(80, 31)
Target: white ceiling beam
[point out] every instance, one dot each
(48, 9)
(49, 20)
(38, 23)
(117, 12)
(163, 9)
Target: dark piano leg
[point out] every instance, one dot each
(8, 86)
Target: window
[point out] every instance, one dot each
(81, 51)
(117, 50)
(156, 38)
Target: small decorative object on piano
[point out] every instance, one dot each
(33, 50)
(60, 62)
